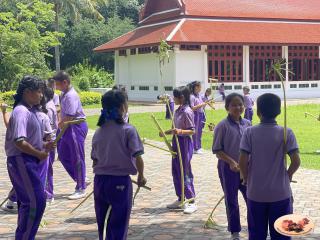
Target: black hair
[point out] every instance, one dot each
(27, 82)
(111, 103)
(182, 91)
(209, 89)
(192, 86)
(61, 76)
(50, 82)
(48, 93)
(230, 97)
(269, 106)
(121, 88)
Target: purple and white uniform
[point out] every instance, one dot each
(199, 118)
(170, 108)
(227, 137)
(56, 100)
(268, 186)
(114, 148)
(23, 170)
(53, 116)
(248, 104)
(183, 119)
(71, 146)
(46, 131)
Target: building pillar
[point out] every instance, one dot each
(116, 67)
(204, 50)
(246, 64)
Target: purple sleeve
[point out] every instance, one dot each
(192, 100)
(56, 100)
(134, 142)
(219, 132)
(19, 122)
(93, 149)
(292, 144)
(189, 120)
(245, 143)
(71, 104)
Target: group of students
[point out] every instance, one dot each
(30, 146)
(250, 163)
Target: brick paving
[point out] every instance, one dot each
(150, 220)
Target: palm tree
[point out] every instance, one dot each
(74, 8)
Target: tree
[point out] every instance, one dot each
(25, 39)
(87, 34)
(74, 8)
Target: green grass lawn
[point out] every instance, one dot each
(307, 130)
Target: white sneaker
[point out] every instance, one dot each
(10, 206)
(190, 208)
(174, 205)
(77, 195)
(199, 151)
(235, 236)
(50, 200)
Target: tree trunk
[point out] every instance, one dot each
(57, 48)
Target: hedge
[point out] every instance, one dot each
(86, 98)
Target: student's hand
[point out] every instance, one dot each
(176, 131)
(61, 125)
(49, 146)
(290, 177)
(160, 134)
(141, 180)
(3, 107)
(234, 166)
(42, 155)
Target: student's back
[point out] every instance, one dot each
(114, 146)
(268, 180)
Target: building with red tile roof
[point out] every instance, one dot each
(233, 41)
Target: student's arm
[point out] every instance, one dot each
(243, 164)
(140, 167)
(234, 166)
(201, 105)
(5, 115)
(27, 148)
(295, 163)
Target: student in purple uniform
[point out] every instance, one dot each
(184, 123)
(221, 91)
(46, 130)
(263, 167)
(226, 146)
(53, 117)
(71, 146)
(24, 150)
(197, 106)
(116, 154)
(11, 204)
(248, 104)
(163, 99)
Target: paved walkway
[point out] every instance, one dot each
(150, 220)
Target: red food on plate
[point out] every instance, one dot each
(291, 226)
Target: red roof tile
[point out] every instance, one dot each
(200, 31)
(154, 6)
(139, 37)
(273, 9)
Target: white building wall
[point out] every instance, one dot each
(190, 67)
(142, 71)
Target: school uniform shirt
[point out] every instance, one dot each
(227, 137)
(52, 114)
(184, 118)
(114, 148)
(71, 105)
(195, 100)
(268, 180)
(56, 99)
(23, 124)
(45, 125)
(248, 101)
